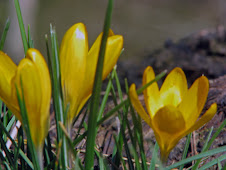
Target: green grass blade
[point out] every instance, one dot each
(105, 98)
(21, 25)
(7, 153)
(5, 31)
(154, 157)
(199, 156)
(22, 154)
(16, 151)
(209, 143)
(213, 162)
(120, 153)
(10, 123)
(92, 119)
(157, 78)
(30, 41)
(57, 96)
(185, 149)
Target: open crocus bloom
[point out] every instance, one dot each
(174, 110)
(78, 65)
(34, 74)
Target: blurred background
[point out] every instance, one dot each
(145, 24)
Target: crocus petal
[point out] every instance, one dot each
(137, 105)
(43, 73)
(174, 87)
(36, 57)
(8, 70)
(151, 94)
(113, 50)
(28, 73)
(208, 115)
(167, 123)
(73, 54)
(194, 101)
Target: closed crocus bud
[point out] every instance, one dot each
(78, 65)
(174, 110)
(34, 74)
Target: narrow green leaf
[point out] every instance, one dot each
(105, 98)
(185, 149)
(7, 153)
(92, 119)
(119, 152)
(199, 156)
(30, 41)
(57, 96)
(209, 142)
(154, 157)
(213, 162)
(22, 154)
(21, 25)
(5, 31)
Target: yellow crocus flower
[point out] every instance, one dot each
(34, 74)
(78, 65)
(174, 110)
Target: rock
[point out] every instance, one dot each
(200, 53)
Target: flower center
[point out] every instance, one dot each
(169, 119)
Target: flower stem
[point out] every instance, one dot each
(40, 159)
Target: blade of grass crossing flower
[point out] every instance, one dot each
(185, 149)
(5, 31)
(92, 119)
(21, 25)
(57, 96)
(199, 156)
(157, 78)
(23, 112)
